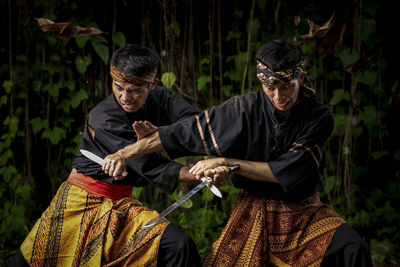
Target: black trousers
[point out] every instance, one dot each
(176, 249)
(347, 249)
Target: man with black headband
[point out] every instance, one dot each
(93, 220)
(278, 137)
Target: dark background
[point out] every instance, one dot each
(49, 84)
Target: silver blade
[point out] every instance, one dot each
(213, 188)
(92, 156)
(205, 182)
(97, 159)
(176, 204)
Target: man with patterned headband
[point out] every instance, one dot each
(278, 137)
(93, 220)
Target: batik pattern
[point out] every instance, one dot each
(82, 229)
(272, 232)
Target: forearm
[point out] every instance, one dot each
(254, 170)
(144, 146)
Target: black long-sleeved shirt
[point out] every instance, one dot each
(248, 127)
(112, 130)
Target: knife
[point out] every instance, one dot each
(206, 181)
(97, 159)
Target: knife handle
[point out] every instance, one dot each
(234, 167)
(231, 169)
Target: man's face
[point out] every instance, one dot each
(131, 97)
(282, 94)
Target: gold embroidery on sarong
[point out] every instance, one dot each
(79, 228)
(263, 231)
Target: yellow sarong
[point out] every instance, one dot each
(82, 229)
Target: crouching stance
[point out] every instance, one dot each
(93, 220)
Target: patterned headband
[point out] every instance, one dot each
(122, 77)
(268, 76)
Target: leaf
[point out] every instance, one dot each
(348, 57)
(70, 85)
(3, 100)
(187, 204)
(339, 95)
(7, 85)
(77, 98)
(99, 44)
(38, 124)
(12, 123)
(379, 154)
(66, 121)
(54, 90)
(296, 20)
(119, 39)
(24, 191)
(55, 135)
(207, 195)
(227, 89)
(233, 35)
(168, 79)
(332, 40)
(204, 61)
(176, 27)
(82, 64)
(261, 4)
(64, 105)
(81, 41)
(316, 31)
(202, 81)
(360, 65)
(368, 116)
(136, 192)
(330, 183)
(367, 77)
(65, 29)
(8, 154)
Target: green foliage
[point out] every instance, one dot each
(202, 82)
(82, 64)
(100, 45)
(339, 95)
(81, 40)
(348, 57)
(119, 39)
(168, 79)
(52, 83)
(176, 27)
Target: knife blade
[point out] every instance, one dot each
(97, 159)
(206, 181)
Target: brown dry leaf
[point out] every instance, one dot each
(360, 65)
(332, 40)
(296, 20)
(317, 31)
(65, 29)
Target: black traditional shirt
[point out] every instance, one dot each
(112, 130)
(248, 127)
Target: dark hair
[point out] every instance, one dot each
(279, 55)
(135, 60)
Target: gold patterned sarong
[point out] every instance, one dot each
(82, 229)
(271, 232)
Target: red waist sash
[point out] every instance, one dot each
(96, 187)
